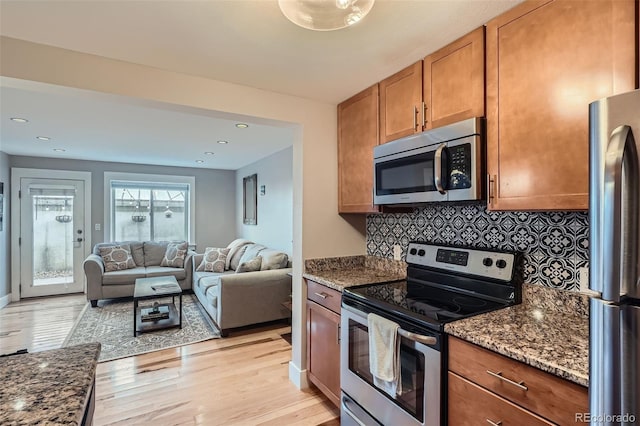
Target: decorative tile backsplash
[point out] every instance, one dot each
(555, 244)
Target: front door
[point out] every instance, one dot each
(52, 236)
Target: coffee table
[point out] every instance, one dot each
(155, 288)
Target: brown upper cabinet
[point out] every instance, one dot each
(447, 86)
(453, 86)
(546, 61)
(401, 105)
(357, 135)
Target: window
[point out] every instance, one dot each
(150, 210)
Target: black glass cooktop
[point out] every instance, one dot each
(431, 305)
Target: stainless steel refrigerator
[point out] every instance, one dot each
(614, 322)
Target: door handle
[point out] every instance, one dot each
(620, 214)
(437, 169)
(425, 340)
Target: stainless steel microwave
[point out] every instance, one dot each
(443, 164)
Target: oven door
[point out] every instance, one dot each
(419, 402)
(415, 176)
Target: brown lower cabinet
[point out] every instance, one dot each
(323, 339)
(488, 388)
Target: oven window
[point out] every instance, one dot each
(409, 174)
(411, 397)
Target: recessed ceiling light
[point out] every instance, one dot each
(223, 142)
(43, 138)
(199, 161)
(208, 153)
(19, 120)
(242, 125)
(59, 150)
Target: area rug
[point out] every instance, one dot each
(111, 324)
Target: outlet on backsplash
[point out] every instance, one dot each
(397, 252)
(583, 277)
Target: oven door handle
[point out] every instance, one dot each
(425, 340)
(420, 338)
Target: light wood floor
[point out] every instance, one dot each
(238, 380)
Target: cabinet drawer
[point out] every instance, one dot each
(469, 404)
(324, 296)
(545, 394)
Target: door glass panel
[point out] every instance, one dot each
(53, 238)
(412, 369)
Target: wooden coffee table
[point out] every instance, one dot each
(156, 288)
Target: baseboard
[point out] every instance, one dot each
(4, 300)
(298, 377)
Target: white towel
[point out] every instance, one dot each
(384, 360)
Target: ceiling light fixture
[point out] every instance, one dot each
(208, 153)
(242, 125)
(59, 150)
(19, 120)
(43, 138)
(325, 15)
(223, 142)
(199, 161)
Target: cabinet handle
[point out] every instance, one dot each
(490, 188)
(415, 118)
(499, 423)
(499, 375)
(338, 336)
(424, 114)
(323, 295)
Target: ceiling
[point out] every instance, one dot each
(247, 42)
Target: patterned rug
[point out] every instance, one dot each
(111, 324)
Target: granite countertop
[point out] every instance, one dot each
(49, 387)
(340, 272)
(549, 331)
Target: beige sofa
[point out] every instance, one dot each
(235, 299)
(147, 256)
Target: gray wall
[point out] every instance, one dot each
(275, 209)
(215, 194)
(5, 239)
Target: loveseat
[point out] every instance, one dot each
(244, 283)
(145, 260)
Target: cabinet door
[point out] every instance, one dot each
(546, 61)
(323, 350)
(401, 103)
(357, 135)
(454, 81)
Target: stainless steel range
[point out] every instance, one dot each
(444, 284)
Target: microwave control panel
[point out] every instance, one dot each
(460, 166)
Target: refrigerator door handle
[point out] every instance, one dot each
(620, 217)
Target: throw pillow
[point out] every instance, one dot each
(175, 254)
(252, 251)
(234, 247)
(250, 266)
(273, 259)
(214, 260)
(117, 257)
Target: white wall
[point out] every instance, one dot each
(5, 240)
(274, 227)
(318, 230)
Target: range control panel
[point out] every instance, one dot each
(489, 264)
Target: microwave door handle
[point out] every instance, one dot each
(437, 169)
